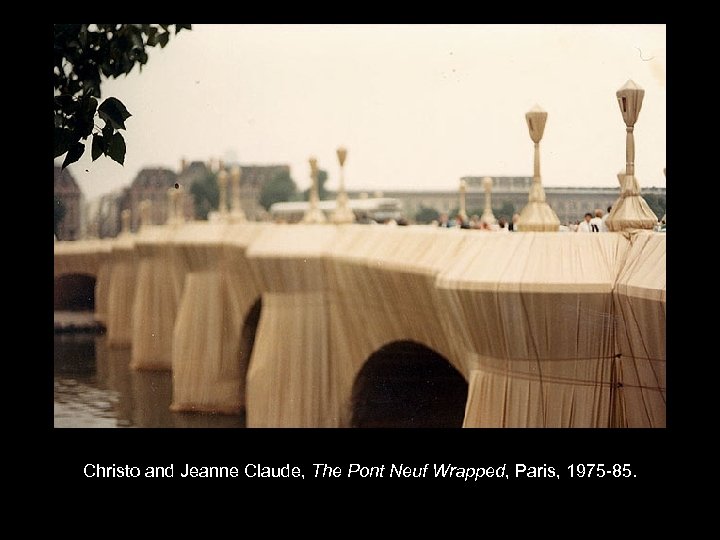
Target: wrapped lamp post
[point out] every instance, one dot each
(125, 222)
(537, 214)
(487, 216)
(342, 213)
(145, 209)
(630, 211)
(179, 205)
(463, 212)
(314, 214)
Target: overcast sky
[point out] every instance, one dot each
(417, 106)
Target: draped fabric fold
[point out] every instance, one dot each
(544, 326)
(639, 305)
(210, 359)
(157, 295)
(121, 291)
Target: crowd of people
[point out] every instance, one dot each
(592, 222)
(475, 222)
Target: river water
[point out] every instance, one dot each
(94, 387)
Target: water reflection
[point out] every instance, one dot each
(94, 387)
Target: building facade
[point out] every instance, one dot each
(102, 215)
(153, 184)
(252, 180)
(68, 196)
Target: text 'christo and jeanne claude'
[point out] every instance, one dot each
(322, 470)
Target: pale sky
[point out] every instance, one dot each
(417, 106)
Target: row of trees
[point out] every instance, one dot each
(656, 203)
(426, 215)
(280, 188)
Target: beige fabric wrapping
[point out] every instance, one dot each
(630, 211)
(640, 324)
(121, 290)
(80, 257)
(534, 324)
(209, 367)
(541, 327)
(160, 277)
(288, 383)
(537, 215)
(239, 292)
(382, 290)
(549, 329)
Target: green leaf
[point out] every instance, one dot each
(163, 39)
(116, 148)
(152, 37)
(76, 151)
(113, 111)
(179, 27)
(107, 131)
(85, 117)
(98, 146)
(63, 139)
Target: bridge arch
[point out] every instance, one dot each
(407, 384)
(248, 332)
(74, 292)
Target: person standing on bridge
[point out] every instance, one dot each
(585, 224)
(604, 227)
(596, 223)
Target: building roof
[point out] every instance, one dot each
(65, 182)
(159, 177)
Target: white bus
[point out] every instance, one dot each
(377, 210)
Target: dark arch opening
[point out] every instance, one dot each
(74, 292)
(247, 336)
(406, 384)
(247, 342)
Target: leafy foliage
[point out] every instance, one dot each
(279, 188)
(656, 203)
(206, 195)
(505, 211)
(426, 215)
(83, 54)
(322, 192)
